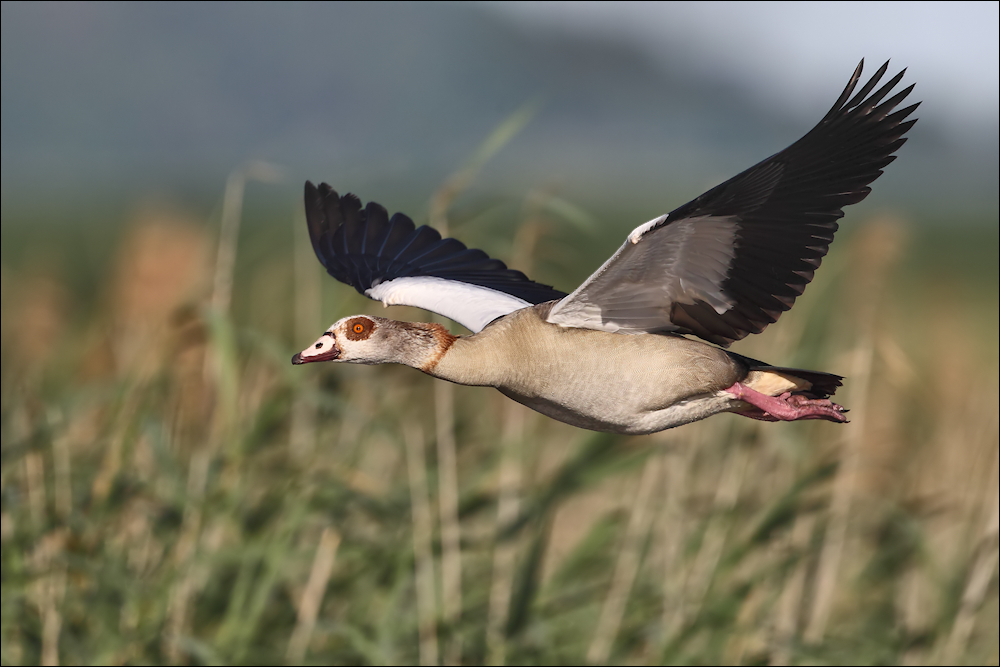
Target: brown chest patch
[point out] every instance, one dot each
(443, 340)
(359, 328)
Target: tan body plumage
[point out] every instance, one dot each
(594, 379)
(619, 383)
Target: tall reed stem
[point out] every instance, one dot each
(504, 551)
(416, 467)
(640, 519)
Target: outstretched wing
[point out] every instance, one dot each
(397, 263)
(730, 262)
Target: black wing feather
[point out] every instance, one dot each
(364, 246)
(787, 207)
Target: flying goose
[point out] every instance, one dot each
(613, 356)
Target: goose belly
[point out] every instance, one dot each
(620, 383)
(595, 417)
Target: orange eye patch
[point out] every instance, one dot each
(360, 328)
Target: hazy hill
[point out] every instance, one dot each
(109, 98)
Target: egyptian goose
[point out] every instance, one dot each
(612, 356)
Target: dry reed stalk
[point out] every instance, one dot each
(451, 554)
(673, 527)
(229, 229)
(952, 463)
(136, 541)
(160, 265)
(511, 464)
(62, 472)
(214, 374)
(914, 613)
(786, 622)
(378, 464)
(574, 518)
(749, 637)
(454, 185)
(48, 591)
(183, 555)
(308, 305)
(363, 402)
(229, 232)
(111, 464)
(191, 400)
(504, 551)
(55, 589)
(460, 179)
(978, 427)
(874, 251)
(312, 596)
(727, 492)
(416, 467)
(302, 435)
(627, 565)
(962, 473)
(144, 550)
(980, 575)
(34, 477)
(447, 458)
(844, 489)
(752, 633)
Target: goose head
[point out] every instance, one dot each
(366, 339)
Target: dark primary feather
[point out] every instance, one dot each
(364, 246)
(787, 208)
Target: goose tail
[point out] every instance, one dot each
(776, 380)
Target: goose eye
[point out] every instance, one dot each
(359, 328)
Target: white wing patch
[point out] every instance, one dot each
(641, 230)
(634, 291)
(472, 306)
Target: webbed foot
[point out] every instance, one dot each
(786, 407)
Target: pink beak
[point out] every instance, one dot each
(329, 355)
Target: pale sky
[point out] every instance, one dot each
(803, 50)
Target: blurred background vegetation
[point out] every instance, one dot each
(174, 491)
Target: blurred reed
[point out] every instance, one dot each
(416, 466)
(134, 530)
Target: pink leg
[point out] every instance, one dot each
(787, 407)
